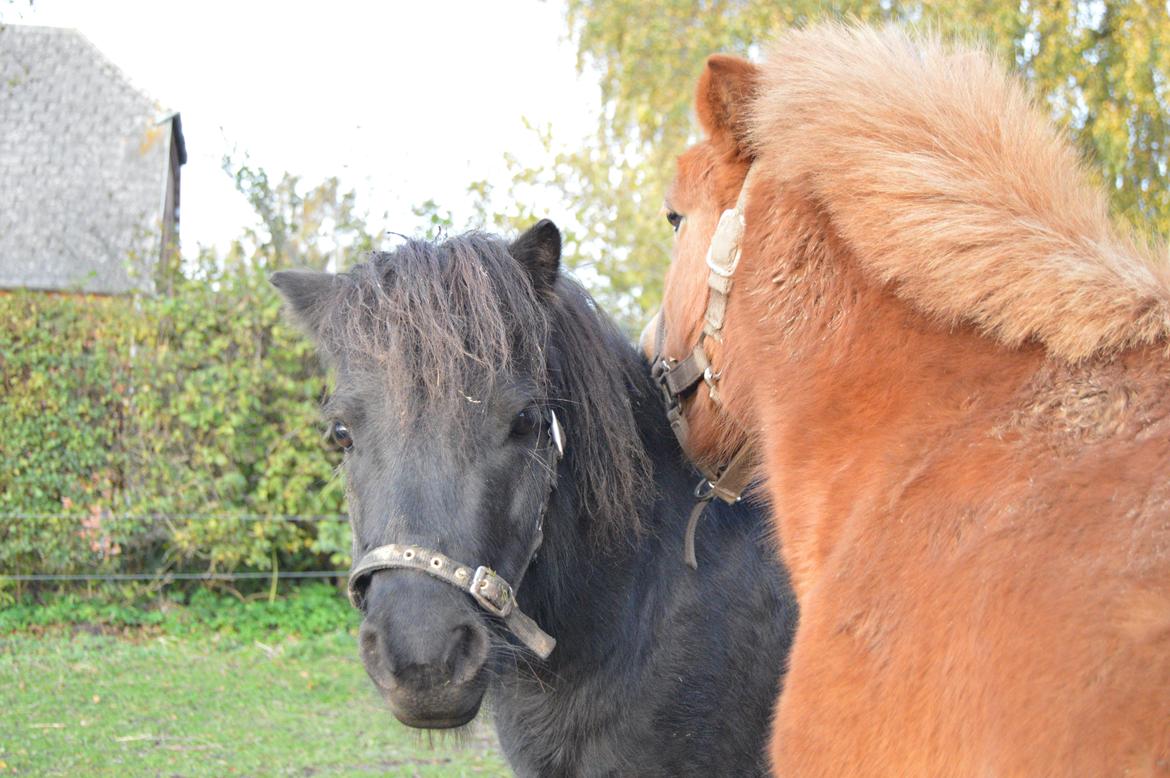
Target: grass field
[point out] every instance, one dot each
(96, 705)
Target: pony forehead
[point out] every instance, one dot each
(436, 322)
(692, 168)
(708, 174)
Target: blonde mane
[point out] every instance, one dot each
(951, 187)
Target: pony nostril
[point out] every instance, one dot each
(466, 653)
(372, 649)
(368, 642)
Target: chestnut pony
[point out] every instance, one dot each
(952, 369)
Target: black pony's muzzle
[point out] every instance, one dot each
(424, 649)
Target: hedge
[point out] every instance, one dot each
(196, 404)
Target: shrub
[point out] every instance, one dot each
(167, 409)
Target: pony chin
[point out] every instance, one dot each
(411, 719)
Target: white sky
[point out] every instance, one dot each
(404, 101)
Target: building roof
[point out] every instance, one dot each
(84, 166)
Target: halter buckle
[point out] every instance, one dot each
(710, 378)
(492, 592)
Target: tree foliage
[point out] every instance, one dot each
(314, 229)
(1102, 68)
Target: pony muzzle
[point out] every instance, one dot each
(425, 653)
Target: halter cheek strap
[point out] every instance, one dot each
(489, 590)
(677, 378)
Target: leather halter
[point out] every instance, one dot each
(489, 590)
(678, 379)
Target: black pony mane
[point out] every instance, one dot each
(595, 374)
(442, 323)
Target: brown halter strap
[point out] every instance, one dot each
(489, 590)
(678, 378)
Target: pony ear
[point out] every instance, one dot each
(539, 251)
(305, 291)
(723, 97)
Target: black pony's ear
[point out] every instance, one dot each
(306, 292)
(539, 251)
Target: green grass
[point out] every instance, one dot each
(158, 704)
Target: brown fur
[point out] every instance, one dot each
(955, 368)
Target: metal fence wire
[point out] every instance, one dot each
(164, 576)
(114, 517)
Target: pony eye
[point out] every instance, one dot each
(525, 422)
(340, 435)
(675, 218)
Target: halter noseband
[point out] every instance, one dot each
(489, 590)
(678, 378)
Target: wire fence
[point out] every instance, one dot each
(244, 517)
(169, 576)
(164, 576)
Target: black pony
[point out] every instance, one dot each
(457, 366)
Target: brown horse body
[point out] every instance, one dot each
(954, 369)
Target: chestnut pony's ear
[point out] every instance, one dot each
(306, 292)
(539, 251)
(723, 97)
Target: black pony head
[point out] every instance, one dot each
(449, 360)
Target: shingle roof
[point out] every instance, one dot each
(84, 161)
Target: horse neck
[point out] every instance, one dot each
(849, 386)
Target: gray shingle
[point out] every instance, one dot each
(84, 167)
